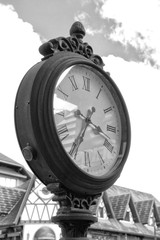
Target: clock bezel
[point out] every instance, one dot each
(50, 152)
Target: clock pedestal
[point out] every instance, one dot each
(75, 214)
(74, 223)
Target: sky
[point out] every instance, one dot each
(125, 34)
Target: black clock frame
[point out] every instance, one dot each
(37, 133)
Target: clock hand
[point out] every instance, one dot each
(79, 139)
(96, 129)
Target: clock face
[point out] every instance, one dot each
(87, 119)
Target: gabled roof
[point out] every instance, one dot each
(119, 204)
(10, 167)
(145, 209)
(136, 195)
(8, 161)
(120, 200)
(12, 202)
(108, 205)
(144, 204)
(134, 211)
(156, 213)
(8, 198)
(141, 204)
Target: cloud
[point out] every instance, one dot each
(19, 51)
(85, 2)
(84, 18)
(139, 85)
(81, 16)
(137, 24)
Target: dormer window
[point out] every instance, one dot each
(102, 210)
(129, 216)
(152, 220)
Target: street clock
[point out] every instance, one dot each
(71, 120)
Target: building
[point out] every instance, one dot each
(26, 208)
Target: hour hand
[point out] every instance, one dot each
(98, 130)
(75, 146)
(85, 123)
(78, 113)
(90, 112)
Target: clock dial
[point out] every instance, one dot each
(87, 119)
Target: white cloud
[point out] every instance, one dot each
(140, 86)
(18, 52)
(137, 24)
(83, 17)
(91, 31)
(85, 2)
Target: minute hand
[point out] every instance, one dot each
(79, 139)
(96, 129)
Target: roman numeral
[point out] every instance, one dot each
(86, 84)
(73, 82)
(101, 159)
(87, 159)
(111, 128)
(99, 92)
(108, 145)
(62, 132)
(106, 110)
(64, 94)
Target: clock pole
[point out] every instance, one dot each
(76, 212)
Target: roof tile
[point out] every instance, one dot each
(8, 199)
(119, 204)
(144, 209)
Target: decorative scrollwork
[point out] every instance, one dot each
(74, 215)
(73, 43)
(66, 198)
(82, 202)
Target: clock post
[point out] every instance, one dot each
(74, 215)
(73, 129)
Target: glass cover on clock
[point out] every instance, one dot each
(87, 119)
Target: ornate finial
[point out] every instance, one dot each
(73, 43)
(77, 30)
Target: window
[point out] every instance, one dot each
(8, 182)
(152, 220)
(129, 216)
(102, 210)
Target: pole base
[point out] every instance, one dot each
(74, 223)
